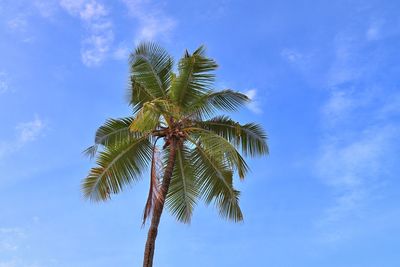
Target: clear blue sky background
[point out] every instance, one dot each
(324, 78)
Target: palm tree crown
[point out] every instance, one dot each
(200, 150)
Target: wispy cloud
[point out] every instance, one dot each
(351, 166)
(391, 106)
(4, 83)
(337, 106)
(10, 238)
(255, 104)
(18, 23)
(291, 55)
(95, 17)
(356, 171)
(20, 17)
(355, 156)
(153, 22)
(14, 230)
(14, 242)
(374, 31)
(18, 263)
(358, 122)
(121, 52)
(301, 60)
(344, 104)
(26, 132)
(346, 65)
(46, 8)
(29, 131)
(359, 135)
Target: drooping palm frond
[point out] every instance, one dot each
(152, 115)
(223, 148)
(118, 166)
(225, 100)
(114, 131)
(137, 95)
(249, 137)
(183, 191)
(214, 178)
(195, 78)
(151, 72)
(147, 119)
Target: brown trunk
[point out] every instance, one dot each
(159, 206)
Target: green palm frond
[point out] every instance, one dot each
(152, 115)
(151, 72)
(249, 137)
(137, 95)
(147, 119)
(118, 166)
(215, 181)
(183, 192)
(113, 131)
(223, 149)
(195, 78)
(225, 100)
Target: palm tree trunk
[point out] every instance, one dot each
(159, 206)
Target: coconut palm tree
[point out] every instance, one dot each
(190, 154)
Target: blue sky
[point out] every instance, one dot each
(324, 79)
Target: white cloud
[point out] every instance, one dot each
(355, 171)
(72, 6)
(95, 16)
(349, 164)
(346, 66)
(355, 155)
(153, 22)
(92, 10)
(152, 27)
(121, 52)
(88, 10)
(342, 104)
(9, 238)
(291, 55)
(97, 45)
(390, 107)
(29, 131)
(15, 244)
(17, 263)
(35, 219)
(359, 138)
(303, 61)
(95, 48)
(19, 23)
(254, 105)
(8, 263)
(4, 83)
(374, 31)
(338, 106)
(26, 132)
(380, 29)
(13, 230)
(46, 8)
